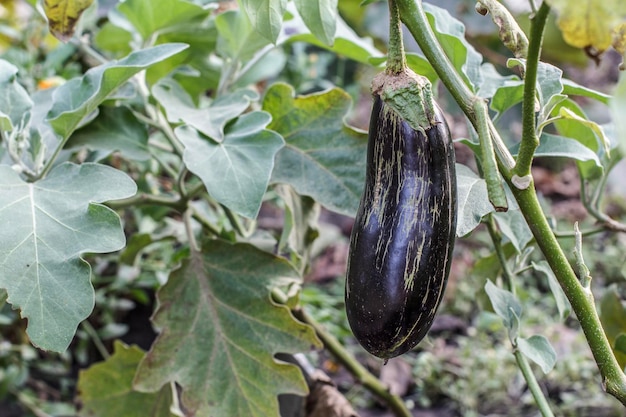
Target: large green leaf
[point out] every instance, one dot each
(220, 332)
(150, 17)
(450, 33)
(323, 157)
(555, 146)
(15, 103)
(79, 97)
(236, 172)
(266, 16)
(472, 200)
(47, 225)
(115, 129)
(237, 38)
(347, 43)
(106, 388)
(210, 120)
(320, 17)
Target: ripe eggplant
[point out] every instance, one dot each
(403, 235)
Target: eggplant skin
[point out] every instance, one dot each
(403, 236)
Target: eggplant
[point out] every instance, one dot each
(403, 236)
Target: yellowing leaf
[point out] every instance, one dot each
(62, 16)
(590, 23)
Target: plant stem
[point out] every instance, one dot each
(414, 18)
(613, 378)
(358, 371)
(148, 199)
(495, 189)
(530, 141)
(396, 60)
(496, 238)
(533, 385)
(95, 338)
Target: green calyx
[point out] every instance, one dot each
(409, 95)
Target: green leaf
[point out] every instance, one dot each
(77, 98)
(571, 127)
(506, 306)
(613, 318)
(47, 226)
(472, 200)
(323, 157)
(539, 350)
(617, 106)
(237, 38)
(220, 332)
(15, 103)
(320, 16)
(562, 303)
(210, 120)
(450, 33)
(151, 17)
(513, 225)
(507, 96)
(492, 80)
(574, 89)
(106, 388)
(555, 146)
(266, 16)
(549, 86)
(235, 172)
(115, 129)
(347, 42)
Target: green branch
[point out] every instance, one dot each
(530, 141)
(533, 385)
(414, 18)
(396, 60)
(495, 189)
(614, 379)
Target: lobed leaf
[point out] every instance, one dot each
(106, 388)
(210, 120)
(220, 332)
(323, 157)
(47, 226)
(472, 200)
(236, 172)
